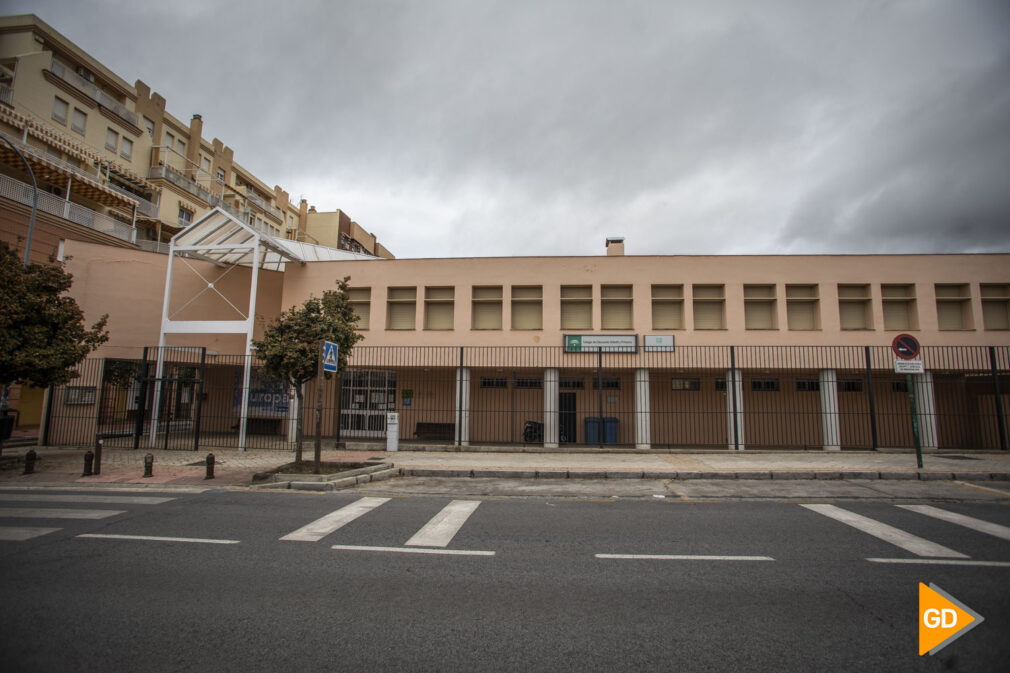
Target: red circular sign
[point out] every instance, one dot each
(905, 346)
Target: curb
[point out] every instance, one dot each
(331, 482)
(798, 475)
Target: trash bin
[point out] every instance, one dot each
(6, 426)
(392, 431)
(593, 430)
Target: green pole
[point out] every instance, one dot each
(319, 409)
(915, 420)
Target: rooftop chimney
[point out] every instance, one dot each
(615, 246)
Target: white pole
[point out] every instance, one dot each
(156, 402)
(250, 326)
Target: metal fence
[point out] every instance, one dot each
(694, 397)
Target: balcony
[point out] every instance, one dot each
(15, 190)
(260, 203)
(181, 181)
(6, 95)
(90, 90)
(144, 206)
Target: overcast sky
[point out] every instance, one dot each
(472, 128)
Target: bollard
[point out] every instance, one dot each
(148, 465)
(30, 457)
(89, 461)
(210, 466)
(98, 455)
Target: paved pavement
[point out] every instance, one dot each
(236, 468)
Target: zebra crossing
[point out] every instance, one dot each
(25, 505)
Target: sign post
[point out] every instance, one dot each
(328, 362)
(906, 348)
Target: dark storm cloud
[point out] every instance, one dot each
(488, 128)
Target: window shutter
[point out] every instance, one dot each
(758, 315)
(802, 315)
(527, 315)
(487, 315)
(708, 315)
(852, 314)
(949, 315)
(401, 316)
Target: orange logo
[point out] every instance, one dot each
(942, 619)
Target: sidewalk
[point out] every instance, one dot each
(236, 468)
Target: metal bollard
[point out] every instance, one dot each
(98, 455)
(210, 466)
(89, 461)
(30, 457)
(148, 465)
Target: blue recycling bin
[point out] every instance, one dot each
(593, 430)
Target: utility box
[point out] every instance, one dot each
(593, 430)
(392, 431)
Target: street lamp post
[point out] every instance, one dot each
(35, 198)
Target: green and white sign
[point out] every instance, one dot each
(608, 343)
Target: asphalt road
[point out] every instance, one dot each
(362, 582)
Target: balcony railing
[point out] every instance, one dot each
(15, 190)
(181, 181)
(262, 204)
(6, 95)
(92, 91)
(144, 206)
(153, 246)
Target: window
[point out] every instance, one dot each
(60, 110)
(850, 386)
(400, 305)
(528, 383)
(185, 217)
(438, 307)
(616, 307)
(360, 299)
(572, 384)
(169, 140)
(764, 385)
(126, 148)
(996, 306)
(149, 125)
(801, 307)
(576, 307)
(685, 384)
(486, 307)
(854, 307)
(759, 307)
(528, 307)
(81, 395)
(709, 302)
(608, 384)
(111, 140)
(953, 306)
(720, 385)
(898, 302)
(807, 385)
(80, 122)
(667, 307)
(180, 146)
(220, 175)
(206, 164)
(899, 387)
(494, 382)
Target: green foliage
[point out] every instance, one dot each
(290, 345)
(42, 332)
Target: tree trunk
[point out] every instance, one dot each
(301, 417)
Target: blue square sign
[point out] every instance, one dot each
(330, 356)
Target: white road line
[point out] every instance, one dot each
(912, 543)
(415, 550)
(100, 499)
(14, 534)
(443, 526)
(43, 513)
(943, 562)
(322, 527)
(981, 526)
(682, 557)
(152, 538)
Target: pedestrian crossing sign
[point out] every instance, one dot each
(329, 356)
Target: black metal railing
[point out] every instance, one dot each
(784, 397)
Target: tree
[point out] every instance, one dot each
(290, 345)
(42, 332)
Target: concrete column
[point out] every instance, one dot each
(293, 417)
(831, 435)
(925, 409)
(551, 403)
(462, 414)
(642, 416)
(734, 386)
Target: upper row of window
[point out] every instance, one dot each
(707, 304)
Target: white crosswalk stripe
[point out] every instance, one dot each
(20, 534)
(443, 526)
(911, 543)
(54, 513)
(84, 499)
(320, 528)
(981, 526)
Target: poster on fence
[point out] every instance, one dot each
(268, 398)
